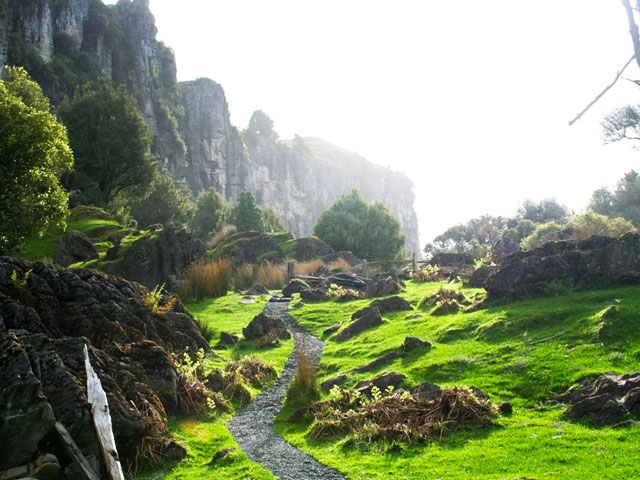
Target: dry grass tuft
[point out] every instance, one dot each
(243, 278)
(206, 279)
(272, 276)
(222, 235)
(254, 370)
(304, 389)
(308, 268)
(340, 263)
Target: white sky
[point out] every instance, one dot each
(470, 98)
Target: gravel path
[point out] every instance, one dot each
(252, 427)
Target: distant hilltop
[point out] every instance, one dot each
(64, 43)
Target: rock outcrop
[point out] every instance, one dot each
(596, 260)
(74, 247)
(47, 317)
(155, 259)
(190, 121)
(251, 248)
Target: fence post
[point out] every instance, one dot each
(291, 270)
(415, 262)
(365, 270)
(256, 273)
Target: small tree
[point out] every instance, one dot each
(111, 143)
(33, 151)
(211, 212)
(271, 221)
(369, 231)
(246, 215)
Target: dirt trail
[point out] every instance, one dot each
(252, 426)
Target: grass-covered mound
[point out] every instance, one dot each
(526, 352)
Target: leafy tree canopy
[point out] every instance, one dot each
(211, 213)
(271, 221)
(260, 126)
(246, 215)
(623, 202)
(544, 211)
(33, 151)
(370, 231)
(166, 202)
(111, 143)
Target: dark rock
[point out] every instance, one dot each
(413, 316)
(444, 259)
(505, 408)
(295, 286)
(128, 346)
(220, 454)
(259, 290)
(479, 394)
(392, 304)
(297, 305)
(504, 247)
(228, 338)
(299, 415)
(631, 401)
(594, 261)
(428, 391)
(309, 248)
(250, 248)
(247, 300)
(314, 295)
(322, 271)
(332, 329)
(348, 257)
(74, 247)
(328, 384)
(612, 412)
(24, 411)
(384, 284)
(411, 343)
(382, 381)
(371, 318)
(263, 324)
(587, 406)
(154, 260)
(480, 275)
(215, 380)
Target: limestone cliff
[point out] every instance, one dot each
(64, 43)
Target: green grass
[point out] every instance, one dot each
(525, 352)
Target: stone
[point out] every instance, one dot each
(480, 275)
(220, 454)
(631, 401)
(427, 391)
(392, 304)
(228, 338)
(332, 329)
(504, 247)
(367, 321)
(215, 380)
(314, 295)
(382, 381)
(587, 407)
(383, 285)
(322, 271)
(297, 305)
(611, 413)
(247, 300)
(411, 343)
(296, 285)
(155, 260)
(263, 324)
(74, 247)
(328, 384)
(505, 408)
(258, 289)
(309, 248)
(413, 316)
(479, 394)
(250, 248)
(444, 259)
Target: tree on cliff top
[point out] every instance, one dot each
(369, 231)
(111, 143)
(33, 151)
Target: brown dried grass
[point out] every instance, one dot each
(206, 279)
(308, 268)
(304, 389)
(243, 277)
(273, 276)
(339, 263)
(222, 235)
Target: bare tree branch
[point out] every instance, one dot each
(618, 75)
(633, 29)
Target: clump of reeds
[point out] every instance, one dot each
(206, 279)
(222, 235)
(273, 276)
(303, 390)
(308, 268)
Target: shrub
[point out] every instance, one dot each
(272, 276)
(445, 295)
(342, 294)
(243, 278)
(206, 279)
(304, 389)
(254, 370)
(156, 302)
(428, 273)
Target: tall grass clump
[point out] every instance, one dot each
(206, 279)
(272, 276)
(304, 389)
(222, 235)
(243, 277)
(308, 268)
(339, 263)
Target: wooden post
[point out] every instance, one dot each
(365, 269)
(102, 420)
(86, 471)
(415, 262)
(291, 270)
(256, 273)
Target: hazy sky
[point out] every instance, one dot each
(470, 98)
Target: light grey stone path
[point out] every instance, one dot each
(252, 427)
